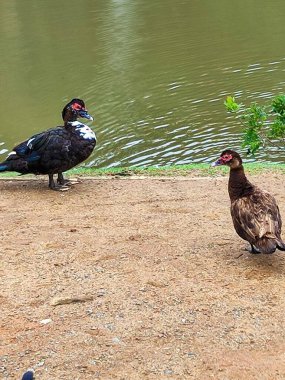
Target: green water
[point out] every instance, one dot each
(154, 74)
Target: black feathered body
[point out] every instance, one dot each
(53, 151)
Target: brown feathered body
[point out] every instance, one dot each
(254, 212)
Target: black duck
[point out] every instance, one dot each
(56, 150)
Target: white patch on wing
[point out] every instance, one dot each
(84, 131)
(13, 152)
(29, 143)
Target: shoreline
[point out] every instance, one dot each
(194, 170)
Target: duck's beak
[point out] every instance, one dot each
(84, 114)
(217, 163)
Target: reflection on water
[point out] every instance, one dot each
(154, 74)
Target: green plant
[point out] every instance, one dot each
(263, 125)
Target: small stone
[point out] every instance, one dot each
(101, 293)
(67, 300)
(110, 326)
(168, 372)
(116, 340)
(45, 321)
(156, 284)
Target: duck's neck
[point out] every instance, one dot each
(239, 185)
(69, 116)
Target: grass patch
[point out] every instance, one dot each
(194, 170)
(198, 170)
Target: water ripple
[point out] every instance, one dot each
(150, 72)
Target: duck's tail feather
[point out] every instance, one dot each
(269, 245)
(3, 167)
(281, 245)
(15, 165)
(265, 245)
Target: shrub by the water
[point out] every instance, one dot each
(263, 125)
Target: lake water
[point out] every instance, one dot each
(154, 74)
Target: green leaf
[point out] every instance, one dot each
(255, 116)
(277, 130)
(231, 105)
(251, 140)
(278, 105)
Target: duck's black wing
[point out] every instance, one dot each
(40, 154)
(39, 142)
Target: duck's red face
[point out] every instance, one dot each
(226, 158)
(229, 157)
(78, 107)
(74, 109)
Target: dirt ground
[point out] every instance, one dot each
(159, 284)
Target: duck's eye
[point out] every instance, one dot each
(227, 157)
(76, 107)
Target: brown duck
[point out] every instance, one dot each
(255, 213)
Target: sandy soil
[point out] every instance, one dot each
(164, 288)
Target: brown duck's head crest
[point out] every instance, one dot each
(230, 158)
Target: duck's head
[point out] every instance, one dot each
(75, 109)
(230, 158)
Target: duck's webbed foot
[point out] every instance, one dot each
(65, 182)
(56, 187)
(253, 249)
